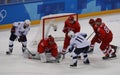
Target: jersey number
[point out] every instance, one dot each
(106, 29)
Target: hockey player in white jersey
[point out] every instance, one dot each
(19, 30)
(78, 45)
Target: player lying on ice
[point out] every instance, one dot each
(78, 45)
(47, 51)
(103, 36)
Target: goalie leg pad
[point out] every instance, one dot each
(43, 57)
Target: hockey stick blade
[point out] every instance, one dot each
(30, 52)
(63, 56)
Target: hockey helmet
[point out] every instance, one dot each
(71, 34)
(98, 21)
(71, 19)
(91, 21)
(27, 22)
(50, 39)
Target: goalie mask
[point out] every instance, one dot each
(50, 39)
(71, 34)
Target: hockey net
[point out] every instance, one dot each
(52, 25)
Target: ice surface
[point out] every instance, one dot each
(16, 64)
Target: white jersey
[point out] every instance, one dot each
(78, 41)
(19, 28)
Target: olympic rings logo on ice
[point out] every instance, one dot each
(3, 14)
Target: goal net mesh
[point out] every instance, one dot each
(51, 25)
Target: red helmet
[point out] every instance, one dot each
(71, 18)
(50, 39)
(91, 21)
(98, 20)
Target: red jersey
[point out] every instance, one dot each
(75, 27)
(103, 33)
(44, 46)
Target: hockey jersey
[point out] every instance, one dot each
(78, 41)
(20, 29)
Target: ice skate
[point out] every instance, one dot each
(108, 57)
(86, 62)
(113, 56)
(9, 52)
(74, 64)
(105, 57)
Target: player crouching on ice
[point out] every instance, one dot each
(19, 30)
(47, 50)
(78, 45)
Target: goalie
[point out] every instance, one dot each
(48, 50)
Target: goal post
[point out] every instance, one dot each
(53, 19)
(52, 25)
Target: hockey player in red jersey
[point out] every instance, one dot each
(104, 36)
(48, 45)
(70, 25)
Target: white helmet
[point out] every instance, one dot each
(71, 34)
(27, 21)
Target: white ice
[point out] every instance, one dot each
(16, 64)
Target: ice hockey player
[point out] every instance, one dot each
(104, 36)
(19, 31)
(94, 26)
(47, 48)
(78, 45)
(70, 25)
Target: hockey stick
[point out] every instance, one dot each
(90, 35)
(30, 52)
(63, 56)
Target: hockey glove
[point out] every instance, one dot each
(22, 38)
(90, 50)
(63, 52)
(70, 50)
(13, 30)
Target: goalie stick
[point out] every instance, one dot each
(30, 52)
